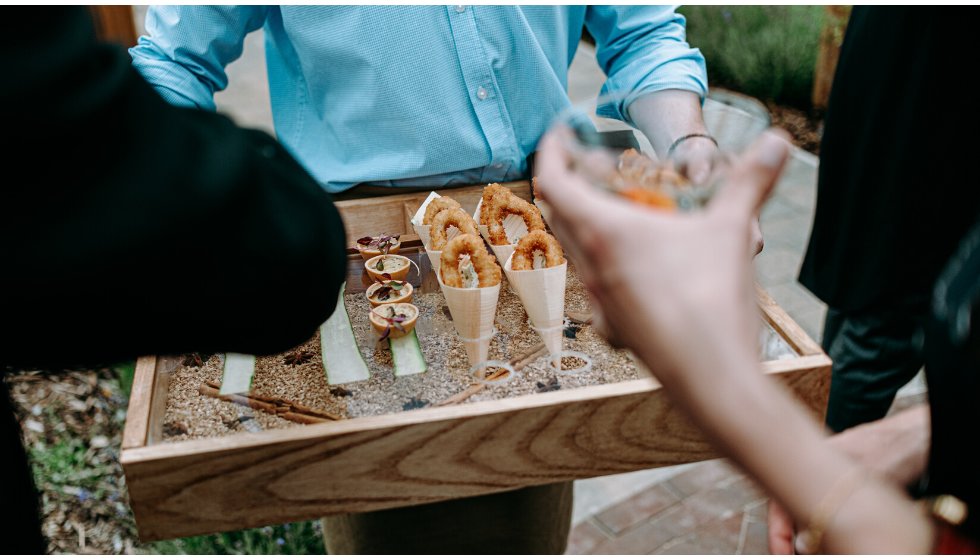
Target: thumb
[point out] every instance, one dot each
(753, 175)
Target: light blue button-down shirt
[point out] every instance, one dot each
(415, 95)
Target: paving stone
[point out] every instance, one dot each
(638, 508)
(755, 537)
(641, 539)
(704, 476)
(777, 265)
(585, 537)
(719, 537)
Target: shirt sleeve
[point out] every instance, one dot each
(186, 49)
(134, 227)
(643, 49)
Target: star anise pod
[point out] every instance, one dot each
(193, 360)
(297, 357)
(340, 392)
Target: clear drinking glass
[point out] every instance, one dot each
(618, 157)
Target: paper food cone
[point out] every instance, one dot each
(542, 292)
(435, 259)
(473, 311)
(503, 252)
(545, 209)
(423, 230)
(484, 230)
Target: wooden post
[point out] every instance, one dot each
(114, 24)
(831, 38)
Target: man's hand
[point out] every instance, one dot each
(896, 447)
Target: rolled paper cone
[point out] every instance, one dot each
(542, 291)
(545, 209)
(423, 233)
(423, 230)
(435, 259)
(473, 311)
(503, 252)
(484, 230)
(553, 338)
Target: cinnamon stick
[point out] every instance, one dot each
(517, 362)
(273, 405)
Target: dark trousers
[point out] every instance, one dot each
(875, 353)
(533, 520)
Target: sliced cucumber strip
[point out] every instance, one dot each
(237, 374)
(406, 353)
(342, 360)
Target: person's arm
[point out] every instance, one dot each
(896, 448)
(186, 49)
(642, 50)
(142, 227)
(676, 289)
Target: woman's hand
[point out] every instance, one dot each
(666, 284)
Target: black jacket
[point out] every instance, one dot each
(128, 226)
(897, 188)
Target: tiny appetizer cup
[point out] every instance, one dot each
(396, 266)
(370, 247)
(404, 294)
(394, 320)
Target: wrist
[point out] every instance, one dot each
(691, 142)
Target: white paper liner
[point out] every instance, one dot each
(473, 311)
(556, 359)
(477, 372)
(545, 209)
(514, 226)
(542, 291)
(435, 259)
(503, 252)
(423, 230)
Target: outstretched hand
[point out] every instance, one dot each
(665, 283)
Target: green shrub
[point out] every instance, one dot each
(768, 52)
(291, 538)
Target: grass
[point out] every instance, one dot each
(768, 52)
(125, 372)
(291, 538)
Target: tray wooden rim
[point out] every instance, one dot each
(157, 483)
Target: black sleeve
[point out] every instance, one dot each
(130, 226)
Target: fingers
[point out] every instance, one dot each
(753, 175)
(780, 530)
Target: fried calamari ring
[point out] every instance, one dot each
(502, 206)
(484, 265)
(488, 193)
(523, 258)
(439, 228)
(437, 205)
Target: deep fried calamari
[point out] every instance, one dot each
(484, 265)
(523, 258)
(439, 227)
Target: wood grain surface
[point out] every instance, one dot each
(415, 457)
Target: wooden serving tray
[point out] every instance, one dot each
(418, 456)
